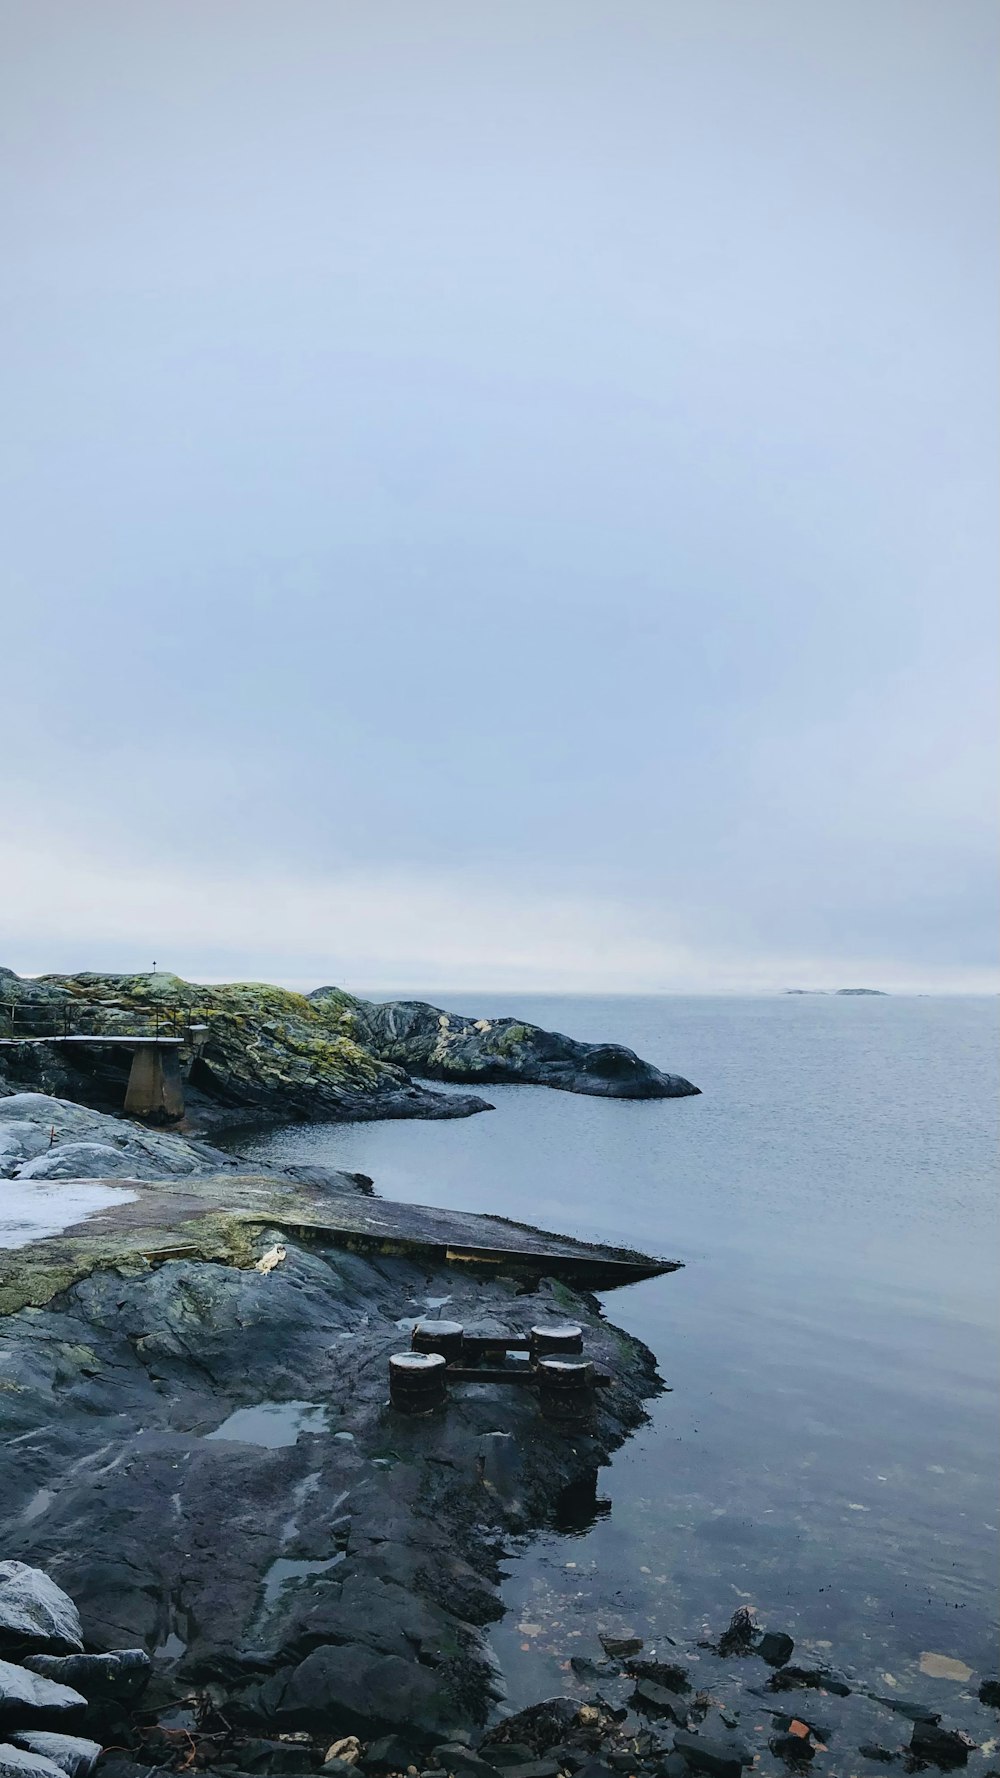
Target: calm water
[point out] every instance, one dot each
(828, 1453)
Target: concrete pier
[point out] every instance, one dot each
(155, 1091)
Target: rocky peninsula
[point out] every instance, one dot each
(253, 1050)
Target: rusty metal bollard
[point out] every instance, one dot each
(566, 1390)
(418, 1381)
(550, 1342)
(444, 1337)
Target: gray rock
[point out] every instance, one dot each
(26, 1698)
(793, 1749)
(775, 1647)
(618, 1648)
(461, 1761)
(448, 1046)
(73, 1754)
(507, 1753)
(723, 1759)
(120, 1675)
(20, 1141)
(339, 1768)
(910, 1708)
(17, 1762)
(78, 1160)
(390, 1753)
(789, 1679)
(34, 1612)
(947, 1748)
(652, 1699)
(279, 1757)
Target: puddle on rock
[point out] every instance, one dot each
(283, 1571)
(271, 1423)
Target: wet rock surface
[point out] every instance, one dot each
(202, 1455)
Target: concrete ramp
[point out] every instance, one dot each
(222, 1216)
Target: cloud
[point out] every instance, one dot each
(73, 903)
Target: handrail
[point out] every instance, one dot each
(65, 1018)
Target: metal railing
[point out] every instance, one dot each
(97, 1018)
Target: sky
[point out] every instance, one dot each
(500, 495)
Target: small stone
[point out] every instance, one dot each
(947, 1748)
(390, 1753)
(674, 1766)
(722, 1758)
(536, 1768)
(909, 1708)
(348, 1749)
(818, 1678)
(275, 1758)
(792, 1749)
(34, 1612)
(73, 1754)
(775, 1647)
(622, 1760)
(462, 1762)
(618, 1648)
(651, 1699)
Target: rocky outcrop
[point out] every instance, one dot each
(253, 1050)
(447, 1046)
(203, 1456)
(250, 1049)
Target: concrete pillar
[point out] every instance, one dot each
(154, 1088)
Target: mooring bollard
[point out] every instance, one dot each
(566, 1389)
(549, 1341)
(418, 1381)
(444, 1337)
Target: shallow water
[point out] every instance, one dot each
(272, 1423)
(828, 1453)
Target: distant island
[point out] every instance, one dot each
(882, 992)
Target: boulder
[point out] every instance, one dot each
(120, 1675)
(28, 1699)
(73, 1754)
(18, 1762)
(78, 1160)
(34, 1612)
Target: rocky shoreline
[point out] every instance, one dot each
(250, 1050)
(284, 1574)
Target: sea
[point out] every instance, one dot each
(826, 1447)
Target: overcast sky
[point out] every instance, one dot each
(500, 492)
